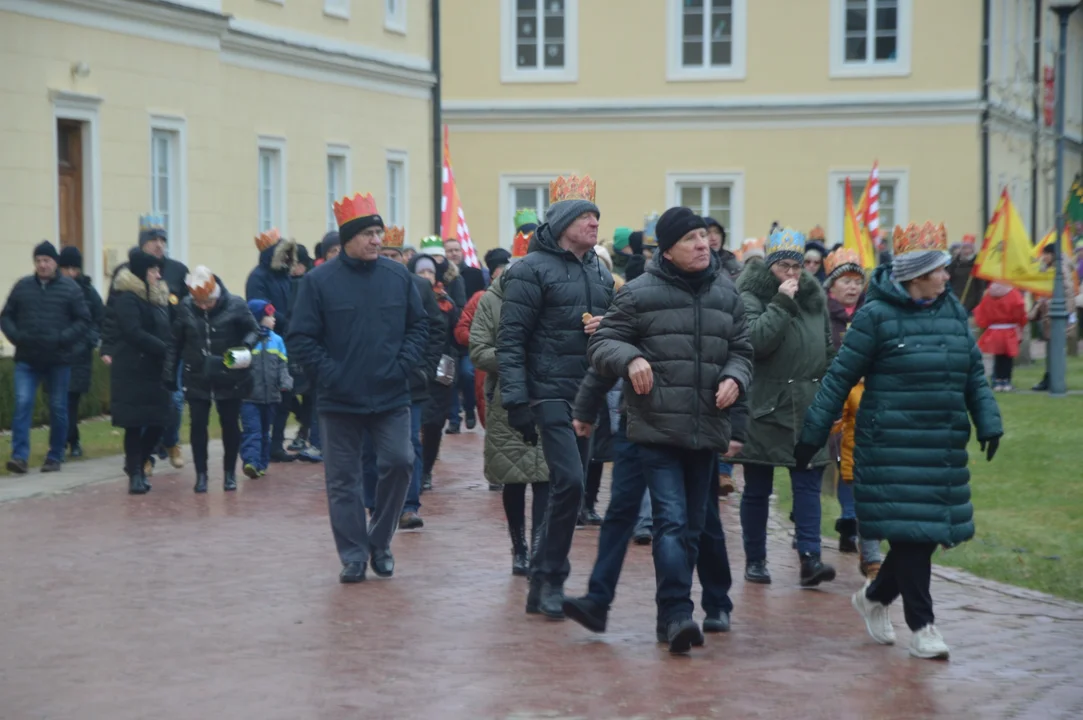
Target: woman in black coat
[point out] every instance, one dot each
(208, 323)
(71, 264)
(140, 402)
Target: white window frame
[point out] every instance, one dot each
(339, 153)
(510, 72)
(508, 182)
(735, 233)
(401, 158)
(337, 9)
(395, 20)
(280, 212)
(177, 224)
(899, 67)
(676, 71)
(836, 196)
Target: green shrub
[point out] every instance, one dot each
(93, 404)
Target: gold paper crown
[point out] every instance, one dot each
(394, 237)
(925, 238)
(201, 283)
(817, 234)
(841, 258)
(521, 244)
(267, 239)
(571, 188)
(358, 206)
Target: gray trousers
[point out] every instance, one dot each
(343, 440)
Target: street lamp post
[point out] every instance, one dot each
(1058, 307)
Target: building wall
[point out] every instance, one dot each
(222, 97)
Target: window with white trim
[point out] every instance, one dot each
(527, 196)
(707, 39)
(540, 40)
(163, 180)
(337, 182)
(716, 195)
(710, 200)
(272, 184)
(395, 15)
(337, 8)
(870, 37)
(396, 192)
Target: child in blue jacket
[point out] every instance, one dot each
(270, 378)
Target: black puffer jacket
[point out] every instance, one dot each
(423, 375)
(82, 368)
(174, 273)
(200, 341)
(694, 335)
(142, 337)
(541, 347)
(46, 322)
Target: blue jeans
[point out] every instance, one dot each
(27, 378)
(759, 483)
(845, 494)
(171, 437)
(713, 564)
(679, 480)
(645, 519)
(413, 495)
(256, 420)
(466, 389)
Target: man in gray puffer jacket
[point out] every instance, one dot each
(678, 334)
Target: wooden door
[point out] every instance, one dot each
(69, 143)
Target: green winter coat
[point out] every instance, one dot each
(924, 383)
(791, 339)
(508, 460)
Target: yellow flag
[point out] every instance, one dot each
(1007, 255)
(1071, 276)
(855, 236)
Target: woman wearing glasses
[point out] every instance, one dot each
(790, 328)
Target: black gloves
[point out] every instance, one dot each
(803, 454)
(989, 447)
(522, 421)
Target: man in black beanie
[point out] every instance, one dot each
(550, 299)
(47, 321)
(71, 265)
(683, 318)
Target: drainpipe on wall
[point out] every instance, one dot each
(437, 119)
(986, 14)
(1039, 119)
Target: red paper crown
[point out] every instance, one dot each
(267, 239)
(572, 188)
(358, 206)
(913, 238)
(521, 244)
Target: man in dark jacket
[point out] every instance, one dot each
(678, 335)
(360, 328)
(473, 281)
(47, 320)
(967, 288)
(71, 265)
(550, 299)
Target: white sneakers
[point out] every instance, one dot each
(876, 616)
(928, 644)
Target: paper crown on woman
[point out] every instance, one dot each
(785, 244)
(432, 245)
(919, 250)
(202, 285)
(843, 261)
(267, 239)
(394, 237)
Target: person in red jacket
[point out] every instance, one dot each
(495, 260)
(1002, 316)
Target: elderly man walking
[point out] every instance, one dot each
(359, 326)
(550, 298)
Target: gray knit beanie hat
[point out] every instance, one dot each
(561, 215)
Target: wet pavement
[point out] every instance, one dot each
(174, 606)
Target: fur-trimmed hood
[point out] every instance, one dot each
(279, 258)
(126, 281)
(758, 279)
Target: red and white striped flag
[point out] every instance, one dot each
(452, 219)
(872, 208)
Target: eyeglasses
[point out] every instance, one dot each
(788, 267)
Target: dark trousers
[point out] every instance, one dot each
(566, 455)
(514, 497)
(139, 444)
(679, 482)
(256, 419)
(713, 564)
(229, 416)
(759, 483)
(1002, 368)
(73, 418)
(343, 440)
(594, 483)
(431, 437)
(278, 424)
(907, 571)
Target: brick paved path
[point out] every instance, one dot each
(173, 606)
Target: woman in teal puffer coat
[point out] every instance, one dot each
(924, 385)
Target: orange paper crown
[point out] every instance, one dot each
(925, 238)
(394, 237)
(267, 239)
(201, 283)
(571, 188)
(521, 244)
(358, 206)
(841, 258)
(816, 233)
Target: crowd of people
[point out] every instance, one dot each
(666, 354)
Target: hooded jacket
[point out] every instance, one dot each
(541, 347)
(138, 396)
(270, 281)
(270, 365)
(924, 384)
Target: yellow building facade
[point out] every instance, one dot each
(753, 111)
(228, 117)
